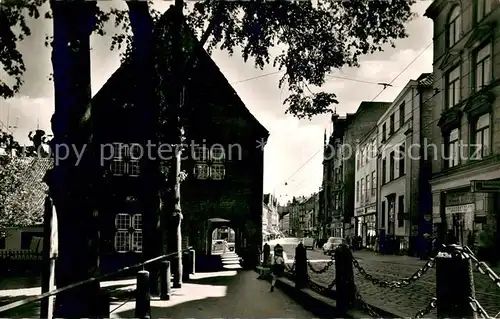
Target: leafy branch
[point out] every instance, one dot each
(312, 40)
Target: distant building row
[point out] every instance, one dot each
(401, 171)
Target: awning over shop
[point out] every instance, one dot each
(264, 232)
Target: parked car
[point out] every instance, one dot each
(331, 244)
(308, 242)
(230, 246)
(217, 245)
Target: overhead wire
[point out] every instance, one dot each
(436, 92)
(418, 105)
(399, 74)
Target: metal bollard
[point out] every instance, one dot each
(344, 278)
(176, 272)
(165, 280)
(301, 277)
(186, 265)
(192, 256)
(142, 298)
(454, 283)
(104, 303)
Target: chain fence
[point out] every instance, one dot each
(482, 267)
(329, 290)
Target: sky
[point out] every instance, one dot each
(293, 154)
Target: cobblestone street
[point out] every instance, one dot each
(405, 301)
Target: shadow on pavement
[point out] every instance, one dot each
(224, 294)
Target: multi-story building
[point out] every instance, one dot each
(357, 126)
(402, 192)
(271, 205)
(365, 203)
(284, 215)
(331, 194)
(467, 81)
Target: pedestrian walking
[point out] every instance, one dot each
(278, 265)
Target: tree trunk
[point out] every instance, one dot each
(178, 138)
(142, 29)
(70, 183)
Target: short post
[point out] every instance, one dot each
(165, 280)
(344, 278)
(176, 275)
(142, 298)
(104, 303)
(454, 283)
(301, 277)
(192, 258)
(186, 266)
(267, 253)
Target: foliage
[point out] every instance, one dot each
(313, 39)
(16, 197)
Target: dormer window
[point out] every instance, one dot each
(453, 27)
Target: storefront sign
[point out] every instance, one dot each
(459, 198)
(485, 186)
(467, 208)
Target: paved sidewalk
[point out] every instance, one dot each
(225, 294)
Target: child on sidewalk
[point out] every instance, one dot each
(278, 266)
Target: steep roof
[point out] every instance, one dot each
(204, 61)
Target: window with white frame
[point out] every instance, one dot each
(128, 234)
(209, 163)
(126, 159)
(481, 131)
(453, 27)
(482, 58)
(453, 87)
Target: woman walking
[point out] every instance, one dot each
(278, 266)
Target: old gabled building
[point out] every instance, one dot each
(224, 183)
(465, 119)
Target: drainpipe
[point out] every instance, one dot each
(423, 189)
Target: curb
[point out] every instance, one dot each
(322, 306)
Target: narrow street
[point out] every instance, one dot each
(225, 294)
(402, 301)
